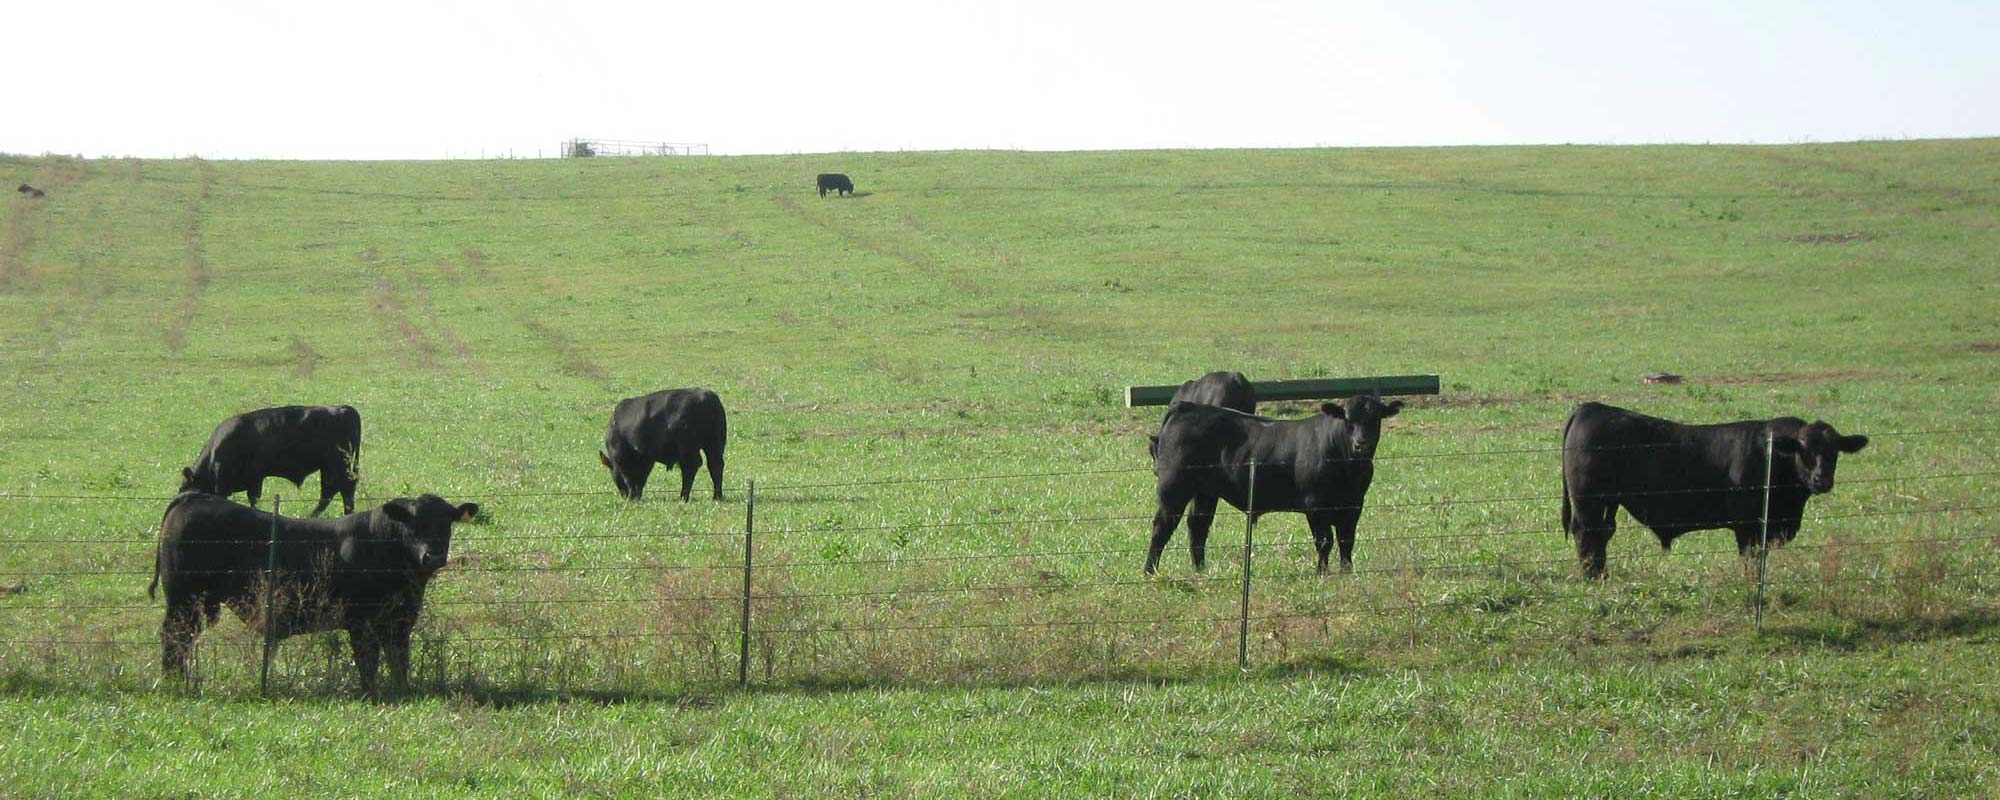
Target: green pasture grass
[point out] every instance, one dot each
(976, 315)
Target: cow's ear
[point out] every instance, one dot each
(604, 459)
(1333, 410)
(187, 476)
(1786, 445)
(1850, 444)
(1393, 407)
(467, 512)
(400, 510)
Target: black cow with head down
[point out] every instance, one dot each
(1319, 466)
(1676, 478)
(289, 442)
(1225, 389)
(834, 182)
(676, 428)
(364, 573)
(31, 192)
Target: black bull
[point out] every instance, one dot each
(834, 182)
(1675, 478)
(364, 573)
(290, 442)
(1319, 466)
(675, 427)
(1225, 389)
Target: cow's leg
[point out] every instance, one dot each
(367, 654)
(1321, 524)
(690, 464)
(714, 452)
(255, 490)
(1173, 501)
(1345, 521)
(327, 490)
(1198, 522)
(178, 632)
(1591, 526)
(398, 645)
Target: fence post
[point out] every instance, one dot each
(749, 537)
(1764, 539)
(270, 577)
(1249, 531)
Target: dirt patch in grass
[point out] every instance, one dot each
(443, 331)
(194, 261)
(475, 263)
(471, 266)
(570, 357)
(14, 242)
(303, 358)
(1833, 238)
(385, 301)
(1986, 347)
(54, 176)
(1813, 376)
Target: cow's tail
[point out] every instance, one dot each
(353, 434)
(1566, 512)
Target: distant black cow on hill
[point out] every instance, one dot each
(835, 182)
(33, 193)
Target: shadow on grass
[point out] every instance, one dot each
(1857, 633)
(27, 685)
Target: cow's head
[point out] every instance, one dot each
(628, 470)
(192, 481)
(422, 527)
(1813, 451)
(1364, 415)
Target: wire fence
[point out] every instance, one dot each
(785, 599)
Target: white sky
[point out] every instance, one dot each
(379, 80)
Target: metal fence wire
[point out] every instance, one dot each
(724, 603)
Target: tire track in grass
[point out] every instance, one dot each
(15, 240)
(70, 290)
(54, 175)
(443, 331)
(194, 262)
(570, 356)
(924, 263)
(385, 302)
(408, 316)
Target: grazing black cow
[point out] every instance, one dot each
(289, 442)
(1225, 389)
(834, 182)
(31, 192)
(364, 573)
(675, 427)
(1676, 478)
(1319, 466)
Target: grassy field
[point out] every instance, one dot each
(924, 381)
